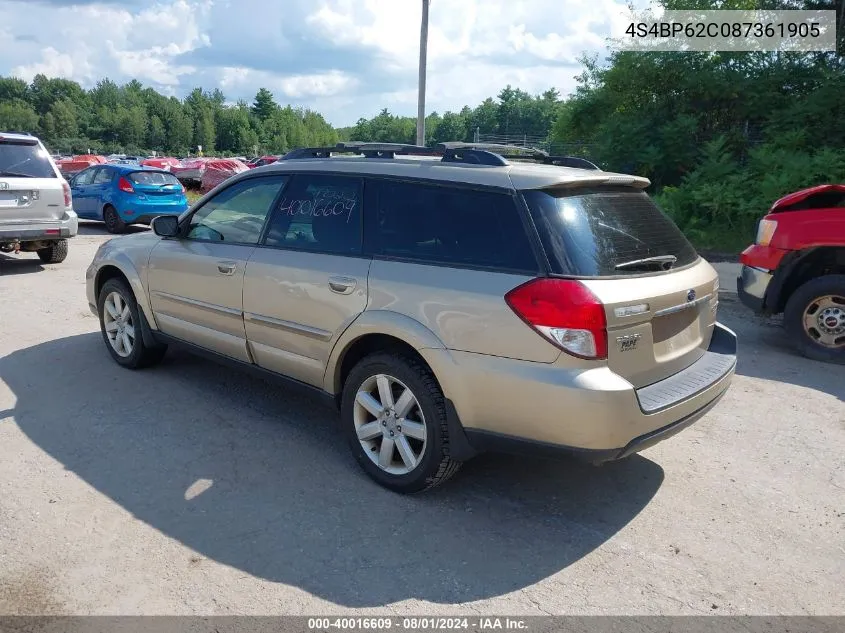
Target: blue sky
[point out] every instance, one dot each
(344, 58)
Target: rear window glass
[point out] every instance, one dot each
(436, 224)
(604, 232)
(24, 161)
(153, 178)
(826, 200)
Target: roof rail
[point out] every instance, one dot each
(394, 148)
(489, 154)
(369, 150)
(498, 148)
(514, 152)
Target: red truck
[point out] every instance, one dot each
(796, 267)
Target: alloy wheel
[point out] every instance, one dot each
(117, 321)
(390, 424)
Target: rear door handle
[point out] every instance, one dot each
(342, 285)
(226, 268)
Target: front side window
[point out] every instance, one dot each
(319, 213)
(236, 215)
(448, 225)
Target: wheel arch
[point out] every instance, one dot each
(126, 271)
(107, 202)
(375, 330)
(798, 268)
(382, 330)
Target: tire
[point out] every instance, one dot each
(433, 463)
(140, 354)
(113, 222)
(801, 303)
(53, 254)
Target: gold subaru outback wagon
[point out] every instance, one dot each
(449, 300)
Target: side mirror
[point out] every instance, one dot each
(165, 225)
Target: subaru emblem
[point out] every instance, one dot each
(691, 295)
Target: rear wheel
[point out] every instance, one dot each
(120, 324)
(113, 222)
(814, 319)
(394, 416)
(53, 254)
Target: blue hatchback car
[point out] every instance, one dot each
(121, 195)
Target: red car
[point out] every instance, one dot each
(260, 162)
(797, 267)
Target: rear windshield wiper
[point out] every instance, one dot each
(15, 174)
(664, 261)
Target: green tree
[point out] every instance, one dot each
(264, 105)
(452, 127)
(18, 116)
(156, 134)
(179, 130)
(63, 113)
(204, 131)
(13, 89)
(48, 128)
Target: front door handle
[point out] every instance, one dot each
(342, 285)
(226, 268)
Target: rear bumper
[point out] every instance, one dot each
(66, 227)
(593, 413)
(147, 218)
(751, 286)
(496, 442)
(143, 212)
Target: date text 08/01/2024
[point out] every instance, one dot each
(723, 29)
(416, 624)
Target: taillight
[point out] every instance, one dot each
(124, 185)
(565, 312)
(67, 194)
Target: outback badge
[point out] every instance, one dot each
(628, 342)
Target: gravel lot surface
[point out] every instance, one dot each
(196, 489)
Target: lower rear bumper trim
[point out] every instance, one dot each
(499, 443)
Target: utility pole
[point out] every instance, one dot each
(423, 54)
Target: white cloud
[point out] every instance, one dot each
(294, 87)
(346, 58)
(53, 64)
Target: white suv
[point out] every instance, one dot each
(36, 212)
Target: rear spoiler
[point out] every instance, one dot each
(14, 140)
(600, 180)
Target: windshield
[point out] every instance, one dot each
(24, 160)
(153, 178)
(606, 232)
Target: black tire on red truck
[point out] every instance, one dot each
(814, 319)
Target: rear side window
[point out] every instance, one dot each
(447, 225)
(103, 176)
(24, 160)
(318, 213)
(606, 232)
(153, 178)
